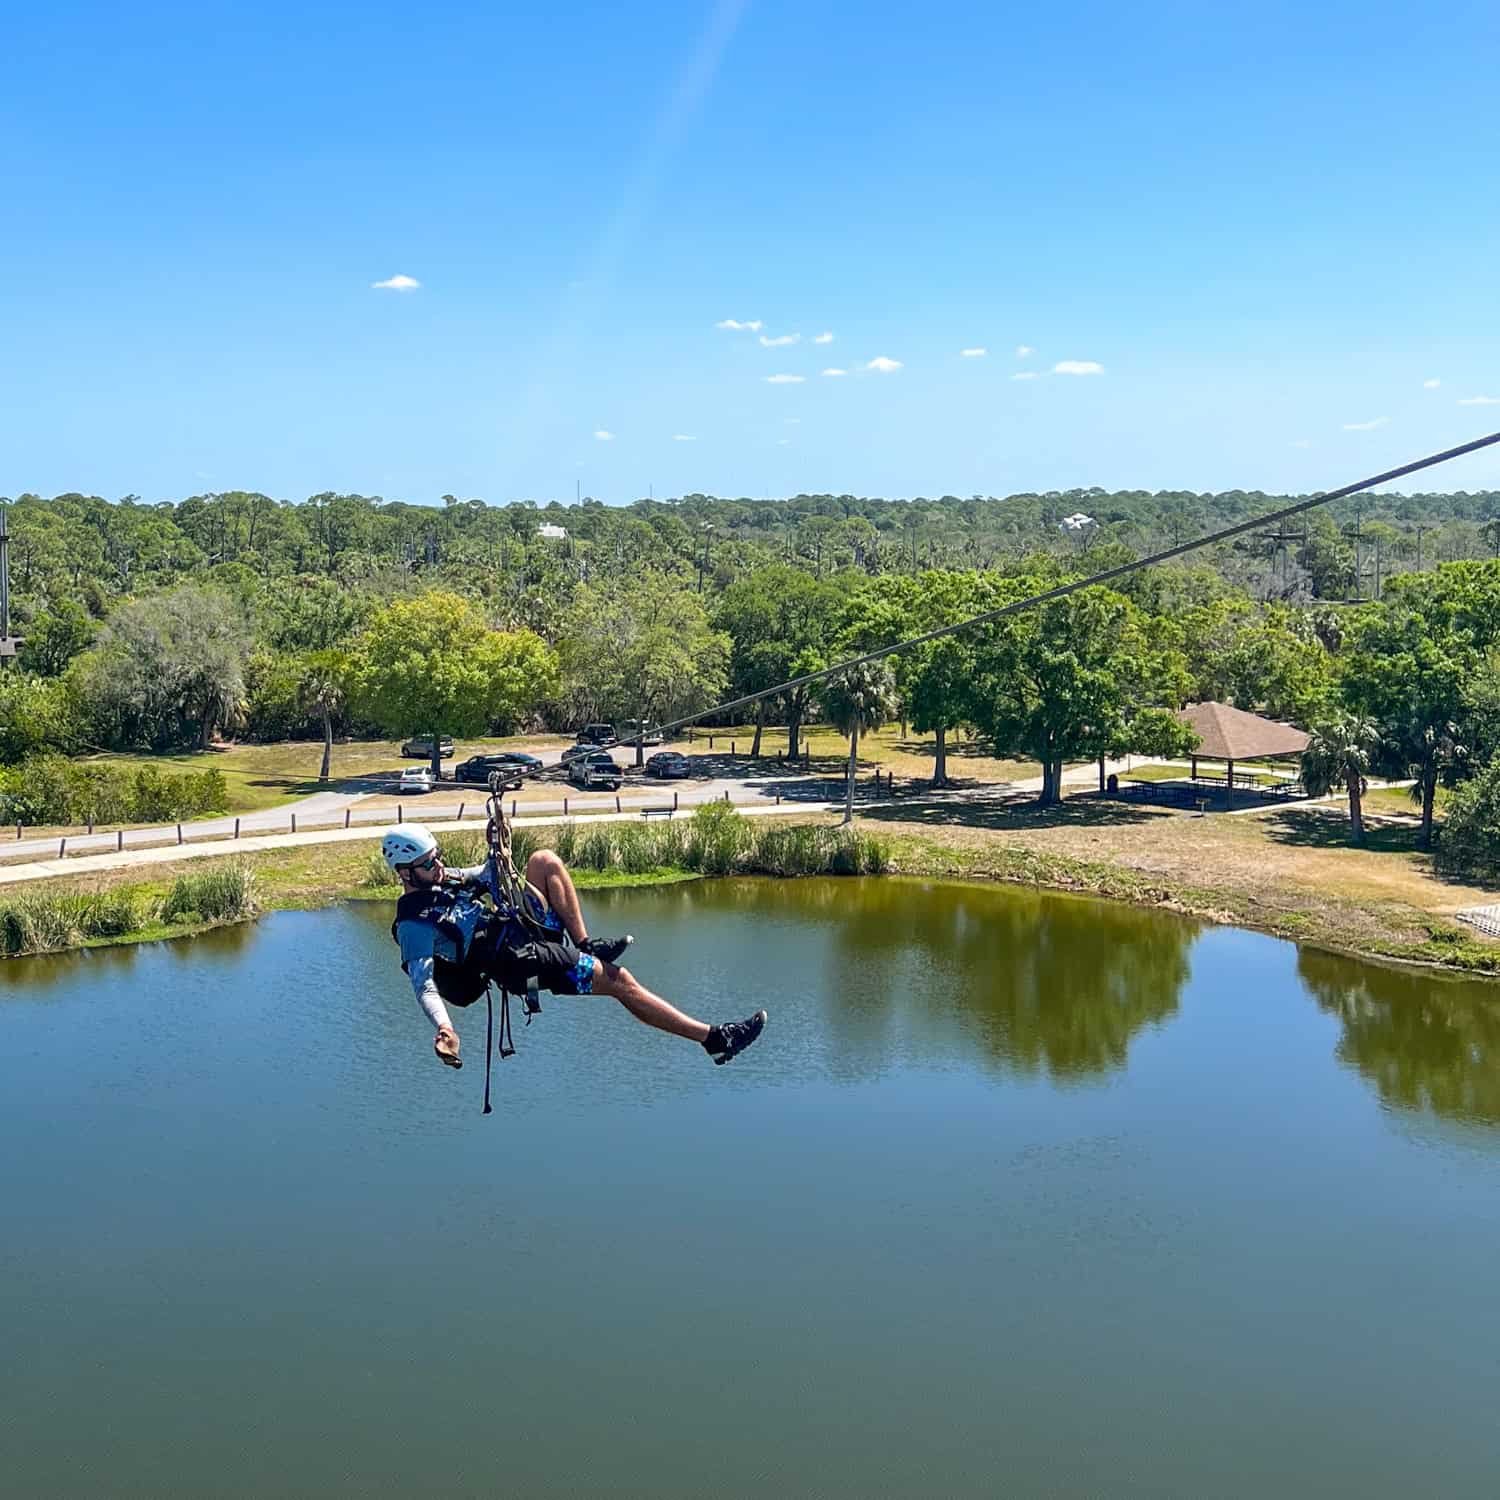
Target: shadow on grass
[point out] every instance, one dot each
(1320, 828)
(1006, 811)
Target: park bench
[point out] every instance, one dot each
(657, 812)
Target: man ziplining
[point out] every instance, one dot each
(529, 935)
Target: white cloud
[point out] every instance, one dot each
(1303, 443)
(1077, 367)
(754, 326)
(683, 437)
(973, 353)
(792, 421)
(835, 372)
(1024, 351)
(1024, 375)
(604, 437)
(883, 365)
(1431, 385)
(782, 442)
(781, 341)
(785, 379)
(823, 338)
(1366, 426)
(396, 284)
(1480, 401)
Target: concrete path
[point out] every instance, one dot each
(321, 806)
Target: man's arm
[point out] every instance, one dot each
(417, 959)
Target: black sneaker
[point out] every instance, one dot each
(608, 949)
(730, 1039)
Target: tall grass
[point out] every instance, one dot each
(50, 924)
(716, 840)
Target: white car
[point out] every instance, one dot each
(415, 779)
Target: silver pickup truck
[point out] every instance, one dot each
(595, 773)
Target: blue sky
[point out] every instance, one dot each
(1269, 227)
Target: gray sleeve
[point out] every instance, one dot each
(420, 972)
(416, 940)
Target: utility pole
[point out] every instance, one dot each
(9, 644)
(1356, 535)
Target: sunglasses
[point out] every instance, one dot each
(423, 864)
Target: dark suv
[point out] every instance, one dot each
(478, 767)
(602, 735)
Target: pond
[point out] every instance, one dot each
(1017, 1194)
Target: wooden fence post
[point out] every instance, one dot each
(513, 809)
(617, 802)
(179, 833)
(62, 845)
(461, 807)
(236, 828)
(294, 822)
(346, 817)
(120, 841)
(674, 801)
(565, 807)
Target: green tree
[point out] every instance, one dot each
(1069, 681)
(323, 690)
(430, 665)
(1470, 847)
(1340, 752)
(858, 701)
(55, 636)
(166, 669)
(1407, 672)
(644, 652)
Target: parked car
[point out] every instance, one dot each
(415, 779)
(668, 765)
(580, 751)
(650, 734)
(478, 768)
(419, 747)
(599, 735)
(595, 773)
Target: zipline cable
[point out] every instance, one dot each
(1274, 517)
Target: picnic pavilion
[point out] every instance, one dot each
(1230, 734)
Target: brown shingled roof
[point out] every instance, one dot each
(1232, 734)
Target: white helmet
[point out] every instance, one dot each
(405, 843)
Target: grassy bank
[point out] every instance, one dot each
(47, 920)
(60, 914)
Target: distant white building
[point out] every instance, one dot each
(1076, 522)
(551, 532)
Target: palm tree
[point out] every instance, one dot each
(1339, 753)
(323, 690)
(861, 699)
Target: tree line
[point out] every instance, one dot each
(161, 627)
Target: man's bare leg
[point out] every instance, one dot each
(549, 875)
(622, 985)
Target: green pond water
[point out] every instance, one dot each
(1017, 1195)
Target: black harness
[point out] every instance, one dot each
(462, 983)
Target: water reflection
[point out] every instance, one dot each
(1424, 1042)
(1037, 983)
(49, 976)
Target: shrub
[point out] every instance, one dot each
(218, 895)
(53, 789)
(1469, 844)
